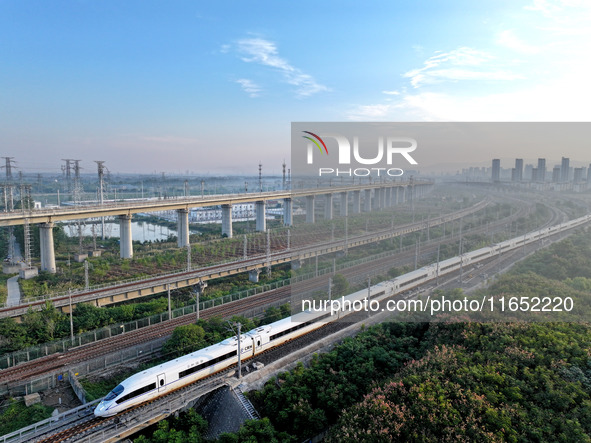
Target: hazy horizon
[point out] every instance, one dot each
(183, 86)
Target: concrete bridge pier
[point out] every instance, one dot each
(356, 202)
(367, 201)
(287, 212)
(377, 198)
(402, 196)
(261, 224)
(125, 245)
(344, 204)
(384, 194)
(388, 197)
(183, 228)
(310, 209)
(47, 251)
(396, 195)
(328, 207)
(227, 221)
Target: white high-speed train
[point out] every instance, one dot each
(174, 374)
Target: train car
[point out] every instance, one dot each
(173, 374)
(449, 265)
(187, 369)
(284, 330)
(408, 281)
(479, 254)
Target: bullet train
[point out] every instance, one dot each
(174, 374)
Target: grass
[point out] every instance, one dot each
(17, 416)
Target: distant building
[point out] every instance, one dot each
(541, 174)
(527, 172)
(578, 175)
(534, 175)
(589, 174)
(496, 170)
(517, 172)
(564, 169)
(556, 174)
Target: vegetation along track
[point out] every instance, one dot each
(88, 423)
(53, 363)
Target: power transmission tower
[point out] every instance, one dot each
(26, 207)
(9, 201)
(77, 190)
(8, 167)
(68, 171)
(101, 188)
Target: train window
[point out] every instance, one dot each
(137, 392)
(258, 342)
(161, 382)
(207, 363)
(114, 393)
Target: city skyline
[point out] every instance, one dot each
(147, 86)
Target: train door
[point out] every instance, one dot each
(257, 342)
(161, 382)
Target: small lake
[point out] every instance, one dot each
(140, 231)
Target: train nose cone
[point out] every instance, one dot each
(100, 409)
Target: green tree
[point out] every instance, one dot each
(256, 431)
(340, 286)
(184, 340)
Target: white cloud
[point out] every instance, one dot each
(548, 46)
(547, 8)
(370, 112)
(264, 52)
(391, 92)
(251, 88)
(460, 64)
(508, 39)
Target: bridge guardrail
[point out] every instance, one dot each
(34, 352)
(237, 262)
(39, 428)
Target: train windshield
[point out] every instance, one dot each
(114, 393)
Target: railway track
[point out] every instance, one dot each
(90, 426)
(88, 423)
(282, 254)
(58, 362)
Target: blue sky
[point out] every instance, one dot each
(212, 87)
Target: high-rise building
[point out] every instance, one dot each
(578, 175)
(589, 173)
(534, 175)
(517, 175)
(564, 169)
(541, 174)
(496, 170)
(556, 174)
